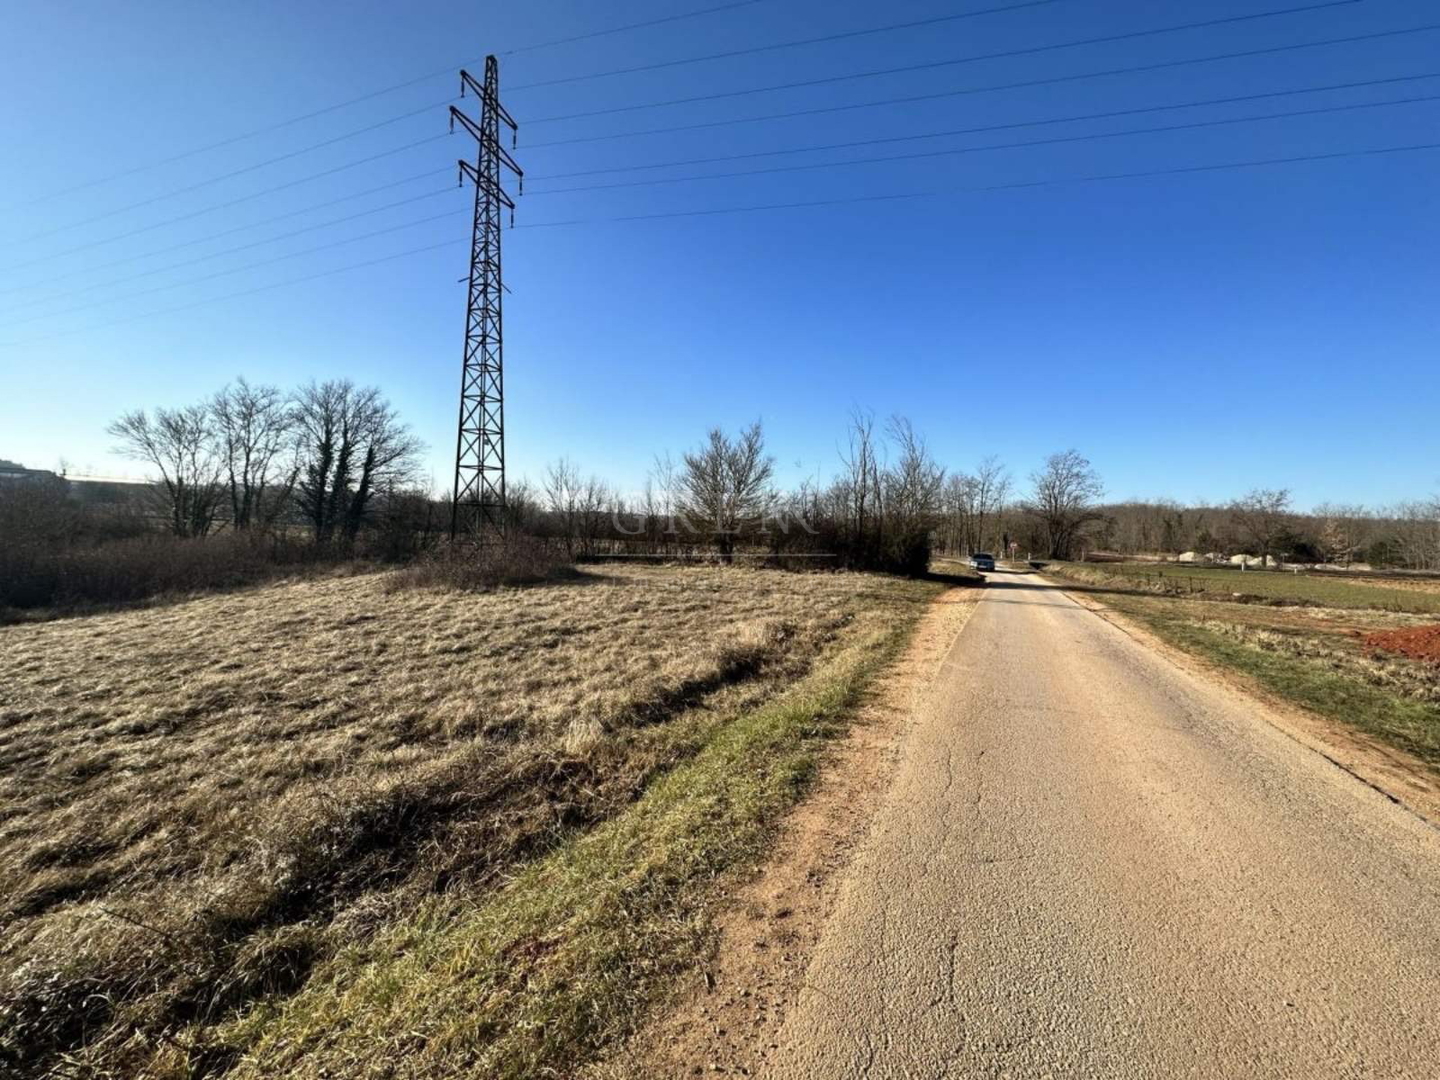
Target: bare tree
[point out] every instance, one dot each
(913, 484)
(662, 491)
(1063, 500)
(562, 498)
(725, 485)
(1263, 517)
(595, 496)
(991, 489)
(648, 513)
(958, 501)
(859, 485)
(1415, 534)
(578, 505)
(255, 428)
(180, 444)
(1342, 531)
(352, 444)
(522, 506)
(912, 497)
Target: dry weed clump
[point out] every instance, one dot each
(519, 560)
(202, 801)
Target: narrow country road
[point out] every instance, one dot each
(1092, 863)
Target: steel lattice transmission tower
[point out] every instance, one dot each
(479, 497)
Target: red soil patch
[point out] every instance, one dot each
(1416, 642)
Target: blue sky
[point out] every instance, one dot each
(1195, 335)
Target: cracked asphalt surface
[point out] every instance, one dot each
(1094, 863)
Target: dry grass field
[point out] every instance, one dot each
(204, 802)
(1323, 589)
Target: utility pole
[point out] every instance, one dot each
(479, 497)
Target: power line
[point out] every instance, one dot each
(1074, 118)
(302, 117)
(992, 146)
(366, 129)
(831, 79)
(756, 49)
(243, 293)
(775, 47)
(767, 207)
(327, 172)
(226, 205)
(91, 285)
(1097, 178)
(227, 175)
(240, 269)
(930, 65)
(621, 29)
(231, 231)
(845, 146)
(1059, 140)
(994, 87)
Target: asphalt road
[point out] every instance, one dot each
(1093, 863)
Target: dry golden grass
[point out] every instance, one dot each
(201, 801)
(1321, 589)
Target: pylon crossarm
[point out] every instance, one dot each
(469, 171)
(465, 122)
(467, 81)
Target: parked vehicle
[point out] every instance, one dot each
(982, 560)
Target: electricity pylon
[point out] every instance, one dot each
(479, 497)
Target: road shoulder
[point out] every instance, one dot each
(1398, 776)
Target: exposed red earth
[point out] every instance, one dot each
(1416, 642)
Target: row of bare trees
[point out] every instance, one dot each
(320, 457)
(888, 498)
(721, 497)
(1265, 523)
(254, 456)
(580, 507)
(890, 502)
(975, 506)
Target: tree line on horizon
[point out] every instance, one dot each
(328, 471)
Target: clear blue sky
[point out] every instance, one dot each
(1194, 335)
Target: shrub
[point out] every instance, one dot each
(34, 574)
(514, 560)
(826, 543)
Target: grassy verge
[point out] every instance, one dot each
(1313, 658)
(547, 970)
